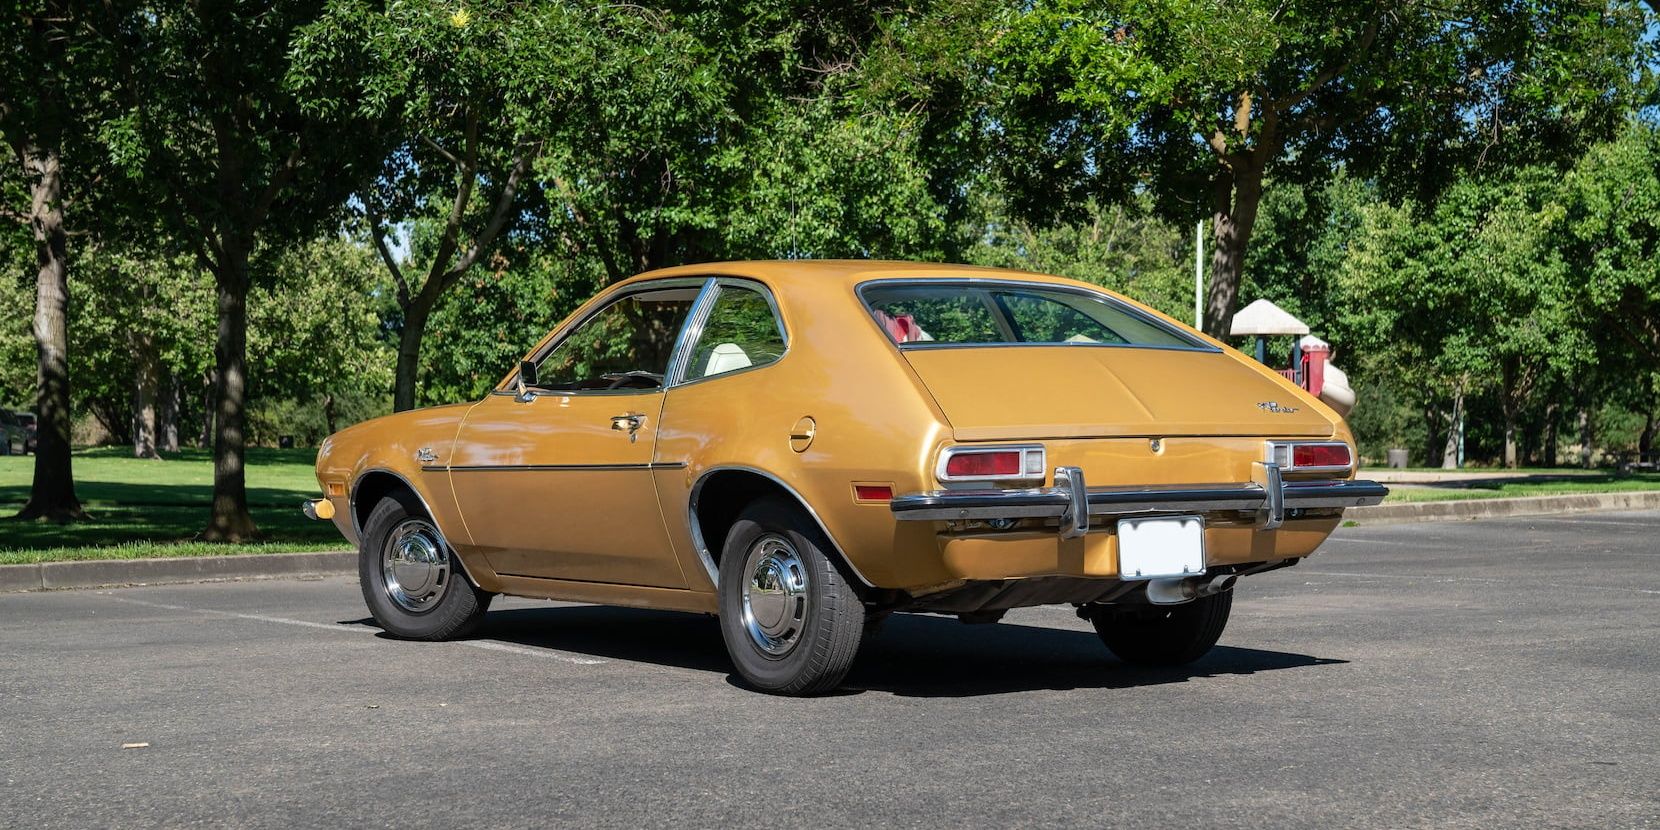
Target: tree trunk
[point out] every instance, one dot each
(210, 382)
(230, 520)
(409, 350)
(329, 414)
(168, 419)
(146, 391)
(52, 495)
(1455, 433)
(1235, 197)
(1645, 442)
(1432, 432)
(1553, 412)
(1510, 443)
(1587, 434)
(1509, 434)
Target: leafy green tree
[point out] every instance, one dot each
(317, 337)
(42, 102)
(1121, 247)
(475, 94)
(1204, 103)
(1611, 238)
(495, 315)
(1612, 217)
(737, 133)
(213, 129)
(703, 132)
(144, 326)
(1301, 243)
(1471, 297)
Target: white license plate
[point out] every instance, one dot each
(1161, 547)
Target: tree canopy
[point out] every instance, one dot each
(276, 218)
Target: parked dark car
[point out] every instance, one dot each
(27, 419)
(13, 437)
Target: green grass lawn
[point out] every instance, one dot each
(158, 508)
(1598, 483)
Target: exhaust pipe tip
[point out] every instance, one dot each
(1216, 586)
(1178, 591)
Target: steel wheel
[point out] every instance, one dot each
(776, 600)
(415, 567)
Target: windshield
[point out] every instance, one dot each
(941, 313)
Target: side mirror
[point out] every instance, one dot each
(527, 379)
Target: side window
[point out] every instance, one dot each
(625, 345)
(741, 332)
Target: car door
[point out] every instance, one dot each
(555, 480)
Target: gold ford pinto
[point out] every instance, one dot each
(803, 448)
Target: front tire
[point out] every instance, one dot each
(791, 622)
(1173, 635)
(411, 581)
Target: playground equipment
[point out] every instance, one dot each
(1311, 366)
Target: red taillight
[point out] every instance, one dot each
(978, 464)
(873, 492)
(1022, 462)
(1304, 456)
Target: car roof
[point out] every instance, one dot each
(849, 271)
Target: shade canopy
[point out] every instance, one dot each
(1263, 317)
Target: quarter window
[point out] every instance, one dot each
(741, 333)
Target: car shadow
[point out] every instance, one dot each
(919, 656)
(914, 655)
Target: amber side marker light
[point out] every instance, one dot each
(873, 492)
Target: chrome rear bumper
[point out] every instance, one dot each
(1071, 501)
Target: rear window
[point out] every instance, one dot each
(940, 313)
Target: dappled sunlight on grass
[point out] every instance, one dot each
(143, 508)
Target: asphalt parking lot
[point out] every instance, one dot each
(1477, 674)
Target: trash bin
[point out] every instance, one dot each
(1397, 458)
(286, 442)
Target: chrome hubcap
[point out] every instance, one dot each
(775, 595)
(415, 566)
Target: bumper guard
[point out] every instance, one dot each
(1073, 503)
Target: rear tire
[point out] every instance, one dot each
(1172, 635)
(791, 622)
(412, 582)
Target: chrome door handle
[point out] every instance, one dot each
(630, 422)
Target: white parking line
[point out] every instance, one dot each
(1441, 544)
(1332, 539)
(1558, 520)
(358, 629)
(1483, 580)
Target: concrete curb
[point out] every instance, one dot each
(1435, 511)
(102, 573)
